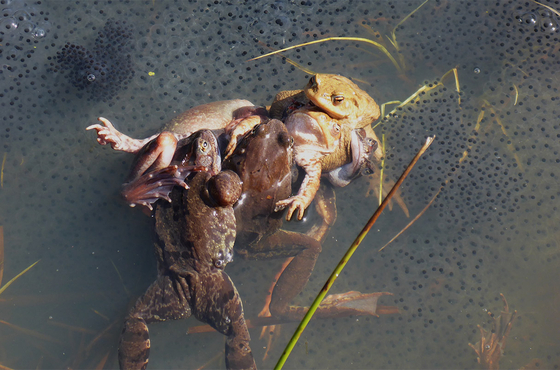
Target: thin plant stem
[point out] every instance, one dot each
(347, 255)
(15, 278)
(382, 170)
(414, 220)
(359, 39)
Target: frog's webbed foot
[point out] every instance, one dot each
(164, 300)
(148, 188)
(345, 304)
(108, 134)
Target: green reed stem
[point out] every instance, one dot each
(346, 257)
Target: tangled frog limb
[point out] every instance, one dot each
(317, 135)
(145, 185)
(172, 151)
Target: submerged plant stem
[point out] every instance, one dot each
(15, 278)
(413, 220)
(382, 170)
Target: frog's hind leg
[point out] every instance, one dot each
(217, 302)
(164, 300)
(304, 249)
(156, 155)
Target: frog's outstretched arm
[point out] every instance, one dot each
(108, 134)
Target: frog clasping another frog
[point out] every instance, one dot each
(337, 102)
(263, 160)
(166, 151)
(195, 236)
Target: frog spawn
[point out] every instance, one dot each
(103, 70)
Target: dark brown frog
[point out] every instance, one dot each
(195, 237)
(263, 160)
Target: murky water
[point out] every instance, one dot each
(491, 229)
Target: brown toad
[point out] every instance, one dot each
(195, 238)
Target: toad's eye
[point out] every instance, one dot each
(285, 140)
(337, 99)
(204, 145)
(312, 81)
(219, 263)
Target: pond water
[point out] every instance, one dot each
(490, 96)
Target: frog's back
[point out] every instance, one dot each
(212, 116)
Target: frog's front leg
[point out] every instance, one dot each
(217, 302)
(377, 151)
(306, 192)
(164, 300)
(285, 102)
(108, 134)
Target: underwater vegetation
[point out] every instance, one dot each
(102, 71)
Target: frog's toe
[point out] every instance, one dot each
(108, 134)
(301, 210)
(281, 204)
